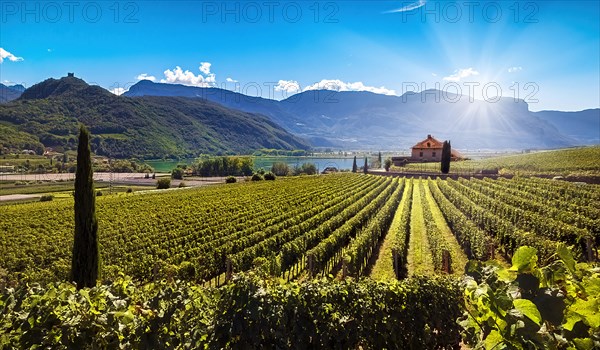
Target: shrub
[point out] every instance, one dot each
(257, 177)
(388, 164)
(230, 180)
(163, 183)
(98, 193)
(182, 184)
(46, 198)
(280, 169)
(270, 176)
(130, 190)
(177, 174)
(305, 169)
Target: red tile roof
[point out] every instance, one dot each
(429, 143)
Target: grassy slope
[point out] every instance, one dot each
(419, 255)
(582, 161)
(10, 137)
(146, 127)
(383, 269)
(458, 257)
(8, 188)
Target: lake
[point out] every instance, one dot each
(165, 166)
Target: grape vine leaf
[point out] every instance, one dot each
(528, 309)
(584, 343)
(493, 340)
(524, 258)
(566, 256)
(587, 310)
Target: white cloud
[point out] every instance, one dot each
(178, 76)
(415, 5)
(118, 91)
(205, 67)
(289, 86)
(211, 79)
(5, 54)
(205, 78)
(338, 85)
(433, 75)
(461, 73)
(515, 69)
(145, 76)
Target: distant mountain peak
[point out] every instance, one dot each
(58, 87)
(10, 93)
(17, 87)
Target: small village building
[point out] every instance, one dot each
(428, 150)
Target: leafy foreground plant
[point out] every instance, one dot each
(253, 311)
(530, 307)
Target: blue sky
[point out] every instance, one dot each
(546, 52)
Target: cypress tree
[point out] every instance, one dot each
(84, 266)
(365, 168)
(446, 155)
(380, 161)
(354, 166)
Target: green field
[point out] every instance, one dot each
(13, 187)
(574, 162)
(303, 226)
(294, 229)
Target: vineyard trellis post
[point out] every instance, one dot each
(491, 250)
(446, 261)
(228, 270)
(310, 263)
(395, 262)
(589, 245)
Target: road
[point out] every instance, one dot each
(18, 197)
(117, 177)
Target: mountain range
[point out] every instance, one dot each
(155, 120)
(9, 93)
(47, 115)
(365, 120)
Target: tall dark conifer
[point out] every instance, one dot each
(446, 156)
(354, 166)
(379, 159)
(365, 168)
(84, 266)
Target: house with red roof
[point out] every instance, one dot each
(428, 150)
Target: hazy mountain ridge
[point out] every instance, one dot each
(10, 93)
(582, 125)
(366, 120)
(147, 127)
